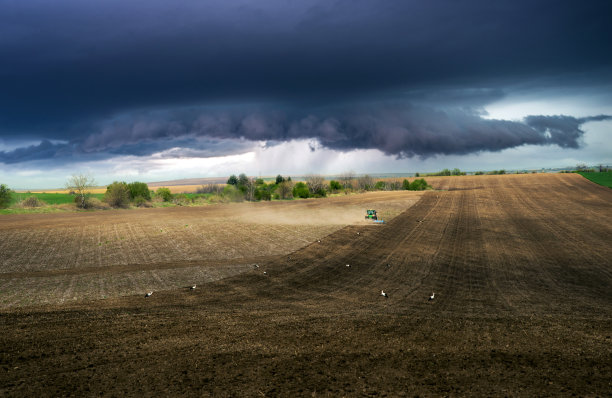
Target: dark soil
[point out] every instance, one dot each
(522, 273)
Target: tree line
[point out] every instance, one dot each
(121, 194)
(313, 186)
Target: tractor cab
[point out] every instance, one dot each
(371, 215)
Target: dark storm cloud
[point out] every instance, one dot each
(44, 150)
(397, 129)
(562, 130)
(70, 67)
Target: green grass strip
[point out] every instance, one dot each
(604, 178)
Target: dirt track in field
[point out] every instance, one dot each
(521, 267)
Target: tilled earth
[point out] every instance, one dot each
(521, 267)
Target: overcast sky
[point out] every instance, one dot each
(151, 90)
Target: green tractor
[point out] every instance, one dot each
(371, 215)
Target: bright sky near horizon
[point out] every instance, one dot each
(155, 90)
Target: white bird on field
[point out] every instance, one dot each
(256, 266)
(432, 296)
(192, 287)
(357, 233)
(318, 240)
(148, 294)
(265, 273)
(348, 265)
(385, 295)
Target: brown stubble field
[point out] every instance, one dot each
(95, 255)
(521, 266)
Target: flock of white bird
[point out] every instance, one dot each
(256, 266)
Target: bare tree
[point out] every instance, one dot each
(285, 190)
(80, 184)
(250, 189)
(316, 183)
(346, 179)
(393, 185)
(365, 182)
(211, 188)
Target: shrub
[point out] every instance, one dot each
(181, 200)
(406, 184)
(300, 190)
(117, 194)
(32, 201)
(139, 189)
(5, 196)
(83, 202)
(379, 186)
(139, 201)
(263, 194)
(335, 185)
(232, 194)
(95, 203)
(164, 194)
(419, 185)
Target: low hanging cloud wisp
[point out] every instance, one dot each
(401, 130)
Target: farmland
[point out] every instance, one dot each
(520, 264)
(54, 198)
(603, 178)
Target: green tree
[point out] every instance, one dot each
(5, 196)
(117, 194)
(139, 189)
(300, 190)
(263, 193)
(243, 180)
(164, 193)
(379, 186)
(232, 180)
(279, 179)
(406, 185)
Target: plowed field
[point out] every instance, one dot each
(521, 267)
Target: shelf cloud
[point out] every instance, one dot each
(92, 80)
(401, 130)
